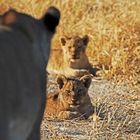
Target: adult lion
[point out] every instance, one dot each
(24, 52)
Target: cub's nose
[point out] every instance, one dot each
(73, 56)
(74, 100)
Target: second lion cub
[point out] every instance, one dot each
(72, 59)
(71, 101)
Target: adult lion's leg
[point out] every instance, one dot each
(35, 133)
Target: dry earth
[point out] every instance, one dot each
(116, 117)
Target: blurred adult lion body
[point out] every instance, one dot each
(24, 52)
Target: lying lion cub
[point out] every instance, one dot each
(72, 60)
(71, 101)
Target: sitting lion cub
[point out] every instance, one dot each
(74, 61)
(71, 101)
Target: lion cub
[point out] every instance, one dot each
(71, 101)
(74, 61)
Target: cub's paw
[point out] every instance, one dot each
(81, 72)
(68, 115)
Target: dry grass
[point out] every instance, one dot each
(113, 27)
(116, 117)
(120, 117)
(119, 106)
(114, 30)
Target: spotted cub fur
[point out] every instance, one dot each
(72, 100)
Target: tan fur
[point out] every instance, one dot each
(71, 101)
(72, 59)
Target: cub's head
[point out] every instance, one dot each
(74, 47)
(72, 90)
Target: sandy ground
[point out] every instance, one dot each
(117, 115)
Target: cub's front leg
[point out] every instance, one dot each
(67, 115)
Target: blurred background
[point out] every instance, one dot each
(113, 27)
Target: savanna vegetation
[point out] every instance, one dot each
(113, 27)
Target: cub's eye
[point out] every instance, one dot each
(79, 90)
(67, 92)
(78, 47)
(69, 47)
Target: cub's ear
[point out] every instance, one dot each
(9, 17)
(63, 41)
(51, 18)
(85, 40)
(86, 80)
(61, 79)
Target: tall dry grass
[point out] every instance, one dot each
(114, 30)
(112, 25)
